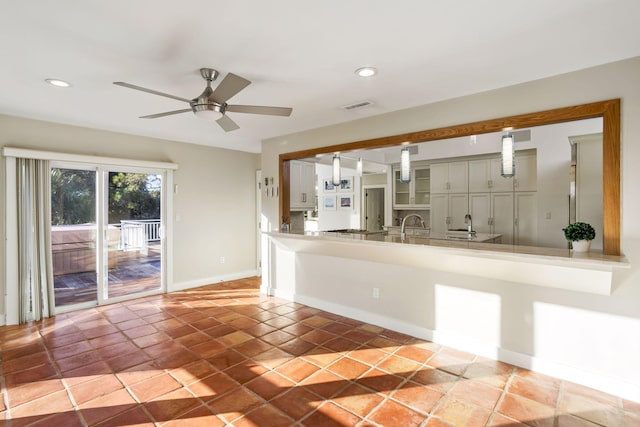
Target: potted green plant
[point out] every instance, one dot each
(580, 234)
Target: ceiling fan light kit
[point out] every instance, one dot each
(211, 105)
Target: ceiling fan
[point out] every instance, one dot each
(212, 104)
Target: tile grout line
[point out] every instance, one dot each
(62, 378)
(503, 393)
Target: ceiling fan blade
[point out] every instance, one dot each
(151, 91)
(257, 109)
(228, 87)
(168, 113)
(227, 124)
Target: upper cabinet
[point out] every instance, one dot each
(414, 194)
(484, 176)
(526, 178)
(302, 187)
(450, 177)
(497, 181)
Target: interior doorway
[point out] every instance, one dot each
(373, 208)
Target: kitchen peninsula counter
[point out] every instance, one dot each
(549, 267)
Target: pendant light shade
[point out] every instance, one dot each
(508, 156)
(336, 170)
(359, 166)
(405, 166)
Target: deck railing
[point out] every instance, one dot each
(73, 247)
(136, 234)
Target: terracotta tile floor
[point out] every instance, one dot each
(226, 355)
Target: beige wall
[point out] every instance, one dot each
(597, 337)
(215, 201)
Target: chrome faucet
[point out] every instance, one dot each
(404, 222)
(467, 220)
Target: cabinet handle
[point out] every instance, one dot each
(490, 183)
(448, 186)
(304, 197)
(448, 220)
(516, 183)
(515, 221)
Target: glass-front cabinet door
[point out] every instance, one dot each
(422, 187)
(401, 192)
(414, 194)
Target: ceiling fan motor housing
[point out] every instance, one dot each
(204, 103)
(208, 106)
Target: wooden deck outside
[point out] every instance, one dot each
(134, 272)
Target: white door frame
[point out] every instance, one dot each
(259, 224)
(363, 202)
(102, 208)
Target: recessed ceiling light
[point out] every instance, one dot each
(366, 72)
(57, 82)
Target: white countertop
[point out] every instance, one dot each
(549, 267)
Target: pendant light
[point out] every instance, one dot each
(405, 165)
(336, 170)
(359, 166)
(508, 156)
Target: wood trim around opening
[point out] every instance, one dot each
(609, 110)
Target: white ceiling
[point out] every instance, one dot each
(298, 54)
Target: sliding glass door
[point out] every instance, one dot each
(134, 233)
(74, 230)
(107, 233)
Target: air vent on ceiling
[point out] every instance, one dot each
(413, 149)
(521, 135)
(357, 105)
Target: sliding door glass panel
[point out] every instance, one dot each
(73, 236)
(133, 233)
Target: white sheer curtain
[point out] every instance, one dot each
(35, 272)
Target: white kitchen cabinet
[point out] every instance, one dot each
(502, 218)
(440, 178)
(480, 211)
(526, 218)
(302, 186)
(479, 176)
(458, 208)
(498, 182)
(484, 176)
(448, 211)
(439, 213)
(414, 194)
(450, 177)
(493, 213)
(526, 178)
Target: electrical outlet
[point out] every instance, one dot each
(376, 293)
(547, 215)
(222, 260)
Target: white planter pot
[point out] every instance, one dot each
(581, 245)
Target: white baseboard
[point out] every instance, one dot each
(597, 381)
(180, 286)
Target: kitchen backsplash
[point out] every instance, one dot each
(400, 214)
